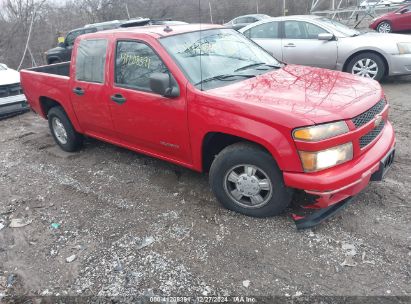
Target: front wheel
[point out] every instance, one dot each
(367, 65)
(384, 27)
(246, 179)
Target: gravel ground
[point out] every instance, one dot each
(106, 221)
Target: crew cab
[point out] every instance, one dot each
(209, 99)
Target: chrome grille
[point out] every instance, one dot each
(368, 115)
(370, 136)
(10, 90)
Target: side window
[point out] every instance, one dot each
(292, 30)
(135, 62)
(72, 36)
(90, 30)
(266, 30)
(313, 30)
(240, 20)
(250, 20)
(91, 60)
(302, 30)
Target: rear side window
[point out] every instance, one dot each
(91, 60)
(266, 30)
(135, 62)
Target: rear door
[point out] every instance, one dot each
(267, 35)
(143, 119)
(89, 88)
(300, 45)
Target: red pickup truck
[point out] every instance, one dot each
(207, 98)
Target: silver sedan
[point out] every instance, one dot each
(321, 42)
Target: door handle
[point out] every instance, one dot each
(118, 98)
(290, 45)
(78, 91)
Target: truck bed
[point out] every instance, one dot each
(62, 69)
(49, 82)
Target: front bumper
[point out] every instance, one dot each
(334, 185)
(400, 65)
(13, 105)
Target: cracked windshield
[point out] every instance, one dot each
(215, 58)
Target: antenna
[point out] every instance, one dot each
(201, 65)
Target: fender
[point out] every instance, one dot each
(275, 141)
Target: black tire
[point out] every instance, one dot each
(383, 26)
(74, 140)
(377, 59)
(241, 154)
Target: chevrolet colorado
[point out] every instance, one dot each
(207, 98)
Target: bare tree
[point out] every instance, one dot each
(51, 19)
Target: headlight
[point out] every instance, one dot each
(320, 160)
(404, 47)
(320, 132)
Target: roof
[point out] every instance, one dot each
(280, 18)
(157, 31)
(292, 17)
(252, 15)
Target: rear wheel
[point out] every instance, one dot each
(246, 179)
(384, 27)
(63, 131)
(367, 65)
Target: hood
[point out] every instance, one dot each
(376, 38)
(55, 50)
(382, 42)
(9, 76)
(313, 94)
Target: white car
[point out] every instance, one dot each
(12, 99)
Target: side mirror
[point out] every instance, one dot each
(325, 36)
(164, 84)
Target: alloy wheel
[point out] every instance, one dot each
(384, 28)
(248, 186)
(59, 130)
(365, 67)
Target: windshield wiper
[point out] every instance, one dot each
(225, 77)
(255, 65)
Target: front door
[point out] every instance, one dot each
(143, 119)
(89, 88)
(301, 45)
(402, 21)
